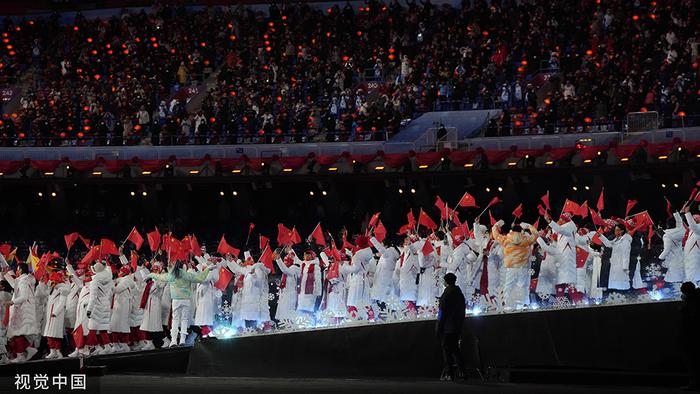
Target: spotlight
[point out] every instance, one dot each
(488, 190)
(574, 188)
(500, 189)
(587, 188)
(675, 185)
(413, 191)
(235, 193)
(53, 194)
(663, 185)
(400, 191)
(133, 193)
(144, 193)
(311, 193)
(324, 193)
(221, 193)
(40, 194)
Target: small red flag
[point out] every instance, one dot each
(404, 229)
(380, 232)
(194, 246)
(225, 248)
(536, 225)
(266, 259)
(426, 221)
(545, 200)
(86, 241)
(373, 220)
(491, 219)
(295, 238)
(571, 207)
(225, 277)
(284, 235)
(108, 247)
(444, 214)
(154, 239)
(78, 336)
(5, 250)
(630, 205)
(134, 261)
(597, 220)
(493, 202)
(70, 239)
(596, 239)
(90, 256)
(317, 236)
(668, 208)
(263, 241)
(467, 201)
(541, 210)
(583, 209)
(427, 248)
(601, 201)
(411, 219)
(135, 238)
(518, 211)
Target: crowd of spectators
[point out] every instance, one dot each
(300, 73)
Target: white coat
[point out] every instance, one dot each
(336, 296)
(287, 302)
(691, 251)
(254, 303)
(100, 303)
(619, 278)
(566, 244)
(427, 284)
(56, 312)
(673, 251)
(547, 279)
(596, 291)
(358, 288)
(76, 284)
(121, 307)
(41, 295)
(23, 309)
(153, 311)
(383, 287)
(81, 311)
(307, 297)
(406, 270)
(135, 312)
(463, 259)
(205, 296)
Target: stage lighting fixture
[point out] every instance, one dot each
(40, 194)
(488, 190)
(500, 189)
(53, 194)
(311, 193)
(324, 193)
(413, 191)
(235, 193)
(133, 193)
(400, 191)
(221, 193)
(144, 193)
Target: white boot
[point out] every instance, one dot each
(124, 347)
(148, 346)
(31, 351)
(75, 353)
(84, 351)
(52, 354)
(20, 358)
(58, 354)
(166, 342)
(4, 359)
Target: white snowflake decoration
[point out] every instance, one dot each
(616, 298)
(225, 311)
(652, 271)
(561, 303)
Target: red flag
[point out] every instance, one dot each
(427, 248)
(373, 219)
(295, 238)
(630, 205)
(426, 221)
(668, 208)
(468, 201)
(491, 219)
(194, 246)
(78, 336)
(518, 211)
(86, 241)
(536, 225)
(493, 202)
(571, 207)
(596, 239)
(693, 194)
(264, 241)
(266, 259)
(597, 220)
(441, 206)
(642, 219)
(317, 236)
(601, 201)
(284, 235)
(411, 219)
(650, 234)
(583, 209)
(5, 250)
(455, 217)
(135, 238)
(380, 232)
(70, 239)
(545, 200)
(153, 239)
(90, 256)
(225, 277)
(405, 229)
(697, 197)
(541, 210)
(134, 261)
(225, 248)
(108, 247)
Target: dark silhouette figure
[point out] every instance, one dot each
(449, 327)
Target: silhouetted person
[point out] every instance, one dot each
(449, 327)
(690, 326)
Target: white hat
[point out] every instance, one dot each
(247, 255)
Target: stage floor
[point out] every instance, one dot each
(185, 384)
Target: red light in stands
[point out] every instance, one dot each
(587, 120)
(232, 37)
(547, 101)
(12, 53)
(126, 51)
(80, 134)
(202, 44)
(284, 17)
(138, 39)
(359, 33)
(643, 109)
(589, 52)
(485, 33)
(392, 57)
(681, 114)
(89, 39)
(523, 62)
(97, 77)
(268, 49)
(76, 28)
(86, 108)
(137, 127)
(271, 24)
(9, 47)
(93, 52)
(62, 134)
(155, 45)
(652, 16)
(86, 128)
(153, 39)
(212, 120)
(635, 17)
(22, 135)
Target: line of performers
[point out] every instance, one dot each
(117, 306)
